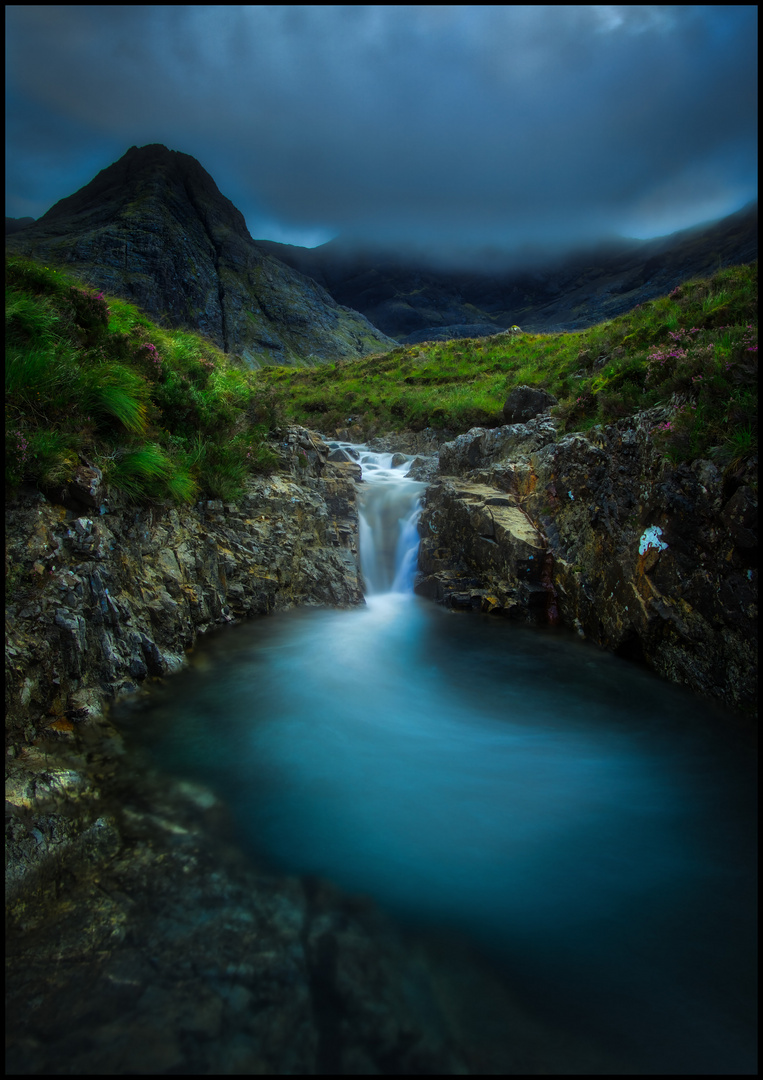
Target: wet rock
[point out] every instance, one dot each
(424, 468)
(161, 948)
(339, 455)
(469, 527)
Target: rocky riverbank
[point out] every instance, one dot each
(98, 602)
(139, 937)
(654, 561)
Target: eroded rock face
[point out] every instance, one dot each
(101, 601)
(467, 525)
(653, 561)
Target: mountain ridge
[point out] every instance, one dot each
(415, 303)
(154, 229)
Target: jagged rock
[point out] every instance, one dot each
(526, 402)
(154, 229)
(740, 516)
(100, 603)
(86, 487)
(467, 526)
(480, 447)
(687, 605)
(339, 455)
(424, 467)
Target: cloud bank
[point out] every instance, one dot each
(444, 128)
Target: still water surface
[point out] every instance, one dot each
(589, 825)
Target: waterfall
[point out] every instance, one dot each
(390, 506)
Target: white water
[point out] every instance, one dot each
(390, 506)
(592, 826)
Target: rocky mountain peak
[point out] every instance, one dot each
(142, 174)
(155, 229)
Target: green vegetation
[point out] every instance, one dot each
(167, 416)
(163, 413)
(695, 350)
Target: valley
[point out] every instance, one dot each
(222, 640)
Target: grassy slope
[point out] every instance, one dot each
(695, 349)
(167, 416)
(164, 414)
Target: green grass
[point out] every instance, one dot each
(164, 414)
(168, 417)
(695, 350)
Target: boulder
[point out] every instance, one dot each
(86, 485)
(339, 455)
(525, 402)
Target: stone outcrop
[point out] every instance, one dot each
(98, 602)
(154, 228)
(494, 535)
(654, 561)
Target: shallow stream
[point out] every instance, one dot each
(589, 825)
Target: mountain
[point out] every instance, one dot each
(14, 225)
(154, 229)
(417, 303)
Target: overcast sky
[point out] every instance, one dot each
(453, 127)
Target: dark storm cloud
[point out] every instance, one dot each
(452, 127)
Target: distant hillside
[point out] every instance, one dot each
(14, 225)
(154, 229)
(417, 303)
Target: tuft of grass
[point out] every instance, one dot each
(165, 413)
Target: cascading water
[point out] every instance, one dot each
(390, 506)
(590, 825)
